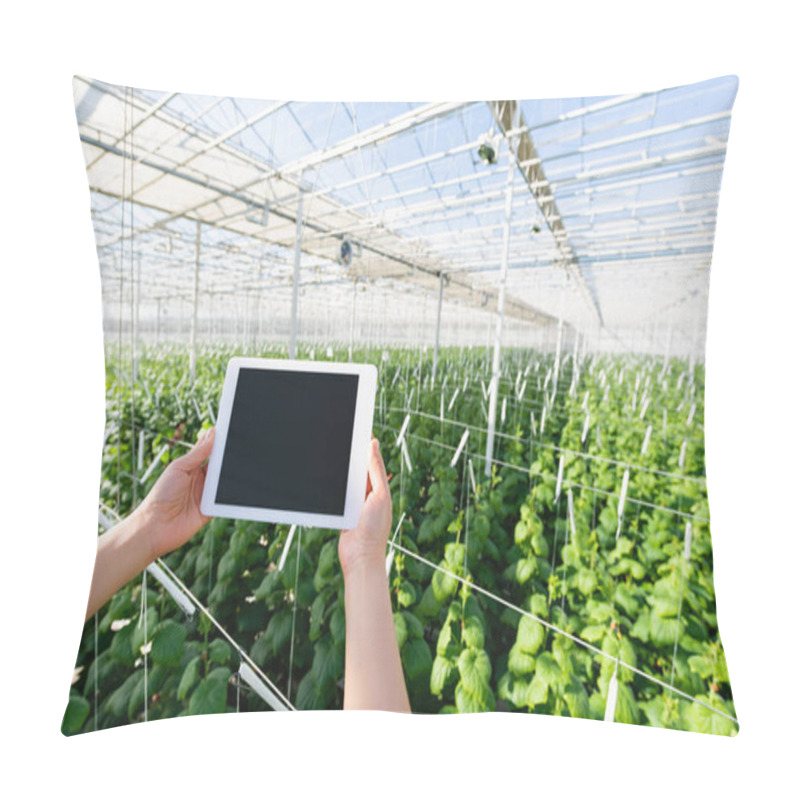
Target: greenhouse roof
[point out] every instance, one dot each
(612, 200)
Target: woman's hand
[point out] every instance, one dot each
(365, 545)
(171, 511)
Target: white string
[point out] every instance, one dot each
(242, 654)
(549, 477)
(294, 611)
(560, 632)
(559, 449)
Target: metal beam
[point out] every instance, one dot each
(509, 118)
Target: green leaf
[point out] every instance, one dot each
(663, 630)
(406, 595)
(210, 696)
(400, 629)
(442, 671)
(577, 700)
(475, 670)
(530, 635)
(228, 567)
(586, 581)
(75, 715)
(444, 586)
(702, 665)
(627, 710)
(526, 568)
(317, 613)
(537, 691)
(338, 626)
(219, 651)
(417, 659)
(189, 677)
(325, 564)
(548, 669)
(429, 606)
(328, 664)
(471, 702)
(413, 625)
(593, 633)
(520, 662)
(168, 639)
(472, 633)
(279, 629)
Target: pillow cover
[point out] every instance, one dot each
(530, 278)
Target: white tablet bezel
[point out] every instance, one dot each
(359, 446)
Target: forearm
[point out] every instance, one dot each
(122, 553)
(373, 673)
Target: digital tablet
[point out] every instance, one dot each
(291, 443)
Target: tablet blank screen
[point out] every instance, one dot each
(289, 439)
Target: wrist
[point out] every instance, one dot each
(148, 531)
(364, 564)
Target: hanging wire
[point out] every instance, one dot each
(555, 629)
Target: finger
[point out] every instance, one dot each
(377, 471)
(199, 453)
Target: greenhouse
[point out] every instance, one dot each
(530, 279)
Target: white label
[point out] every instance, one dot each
(483, 388)
(516, 382)
(403, 429)
(260, 688)
(687, 541)
(503, 412)
(533, 424)
(410, 397)
(633, 402)
(406, 456)
(466, 381)
(285, 551)
(544, 415)
(453, 399)
(472, 478)
(154, 463)
(691, 414)
(396, 374)
(585, 403)
(140, 452)
(521, 392)
(682, 457)
(560, 475)
(441, 407)
(585, 429)
(680, 380)
(644, 408)
(460, 447)
(186, 605)
(611, 699)
(623, 494)
(646, 442)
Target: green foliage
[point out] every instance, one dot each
(461, 651)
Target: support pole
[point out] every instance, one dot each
(352, 322)
(193, 331)
(438, 330)
(501, 297)
(295, 286)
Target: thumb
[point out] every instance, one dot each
(199, 453)
(376, 470)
